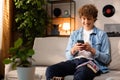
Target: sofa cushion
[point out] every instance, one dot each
(112, 75)
(40, 71)
(12, 75)
(39, 74)
(115, 52)
(49, 50)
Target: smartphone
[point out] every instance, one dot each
(80, 41)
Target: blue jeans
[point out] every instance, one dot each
(63, 69)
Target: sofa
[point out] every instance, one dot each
(51, 50)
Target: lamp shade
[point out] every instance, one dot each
(66, 26)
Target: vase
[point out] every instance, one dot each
(26, 73)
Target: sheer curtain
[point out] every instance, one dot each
(1, 18)
(6, 33)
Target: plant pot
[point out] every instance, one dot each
(26, 73)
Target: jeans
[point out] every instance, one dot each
(63, 69)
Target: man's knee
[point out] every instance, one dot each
(84, 73)
(49, 70)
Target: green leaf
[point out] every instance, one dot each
(18, 43)
(31, 20)
(7, 61)
(12, 50)
(31, 52)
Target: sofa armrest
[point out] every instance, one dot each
(8, 68)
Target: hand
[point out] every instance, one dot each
(89, 48)
(77, 47)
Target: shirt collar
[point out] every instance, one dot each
(94, 30)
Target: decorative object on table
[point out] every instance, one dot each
(55, 30)
(63, 11)
(108, 10)
(57, 12)
(66, 13)
(31, 21)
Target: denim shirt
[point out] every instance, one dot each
(98, 40)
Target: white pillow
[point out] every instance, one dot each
(49, 50)
(115, 53)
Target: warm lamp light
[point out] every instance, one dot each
(66, 26)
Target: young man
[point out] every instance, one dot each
(96, 46)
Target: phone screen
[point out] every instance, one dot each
(80, 41)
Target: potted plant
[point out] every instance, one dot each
(31, 20)
(21, 56)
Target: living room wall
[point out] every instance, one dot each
(102, 20)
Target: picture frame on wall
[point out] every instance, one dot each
(113, 30)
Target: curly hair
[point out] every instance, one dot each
(88, 10)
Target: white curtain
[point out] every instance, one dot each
(1, 21)
(6, 31)
(1, 29)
